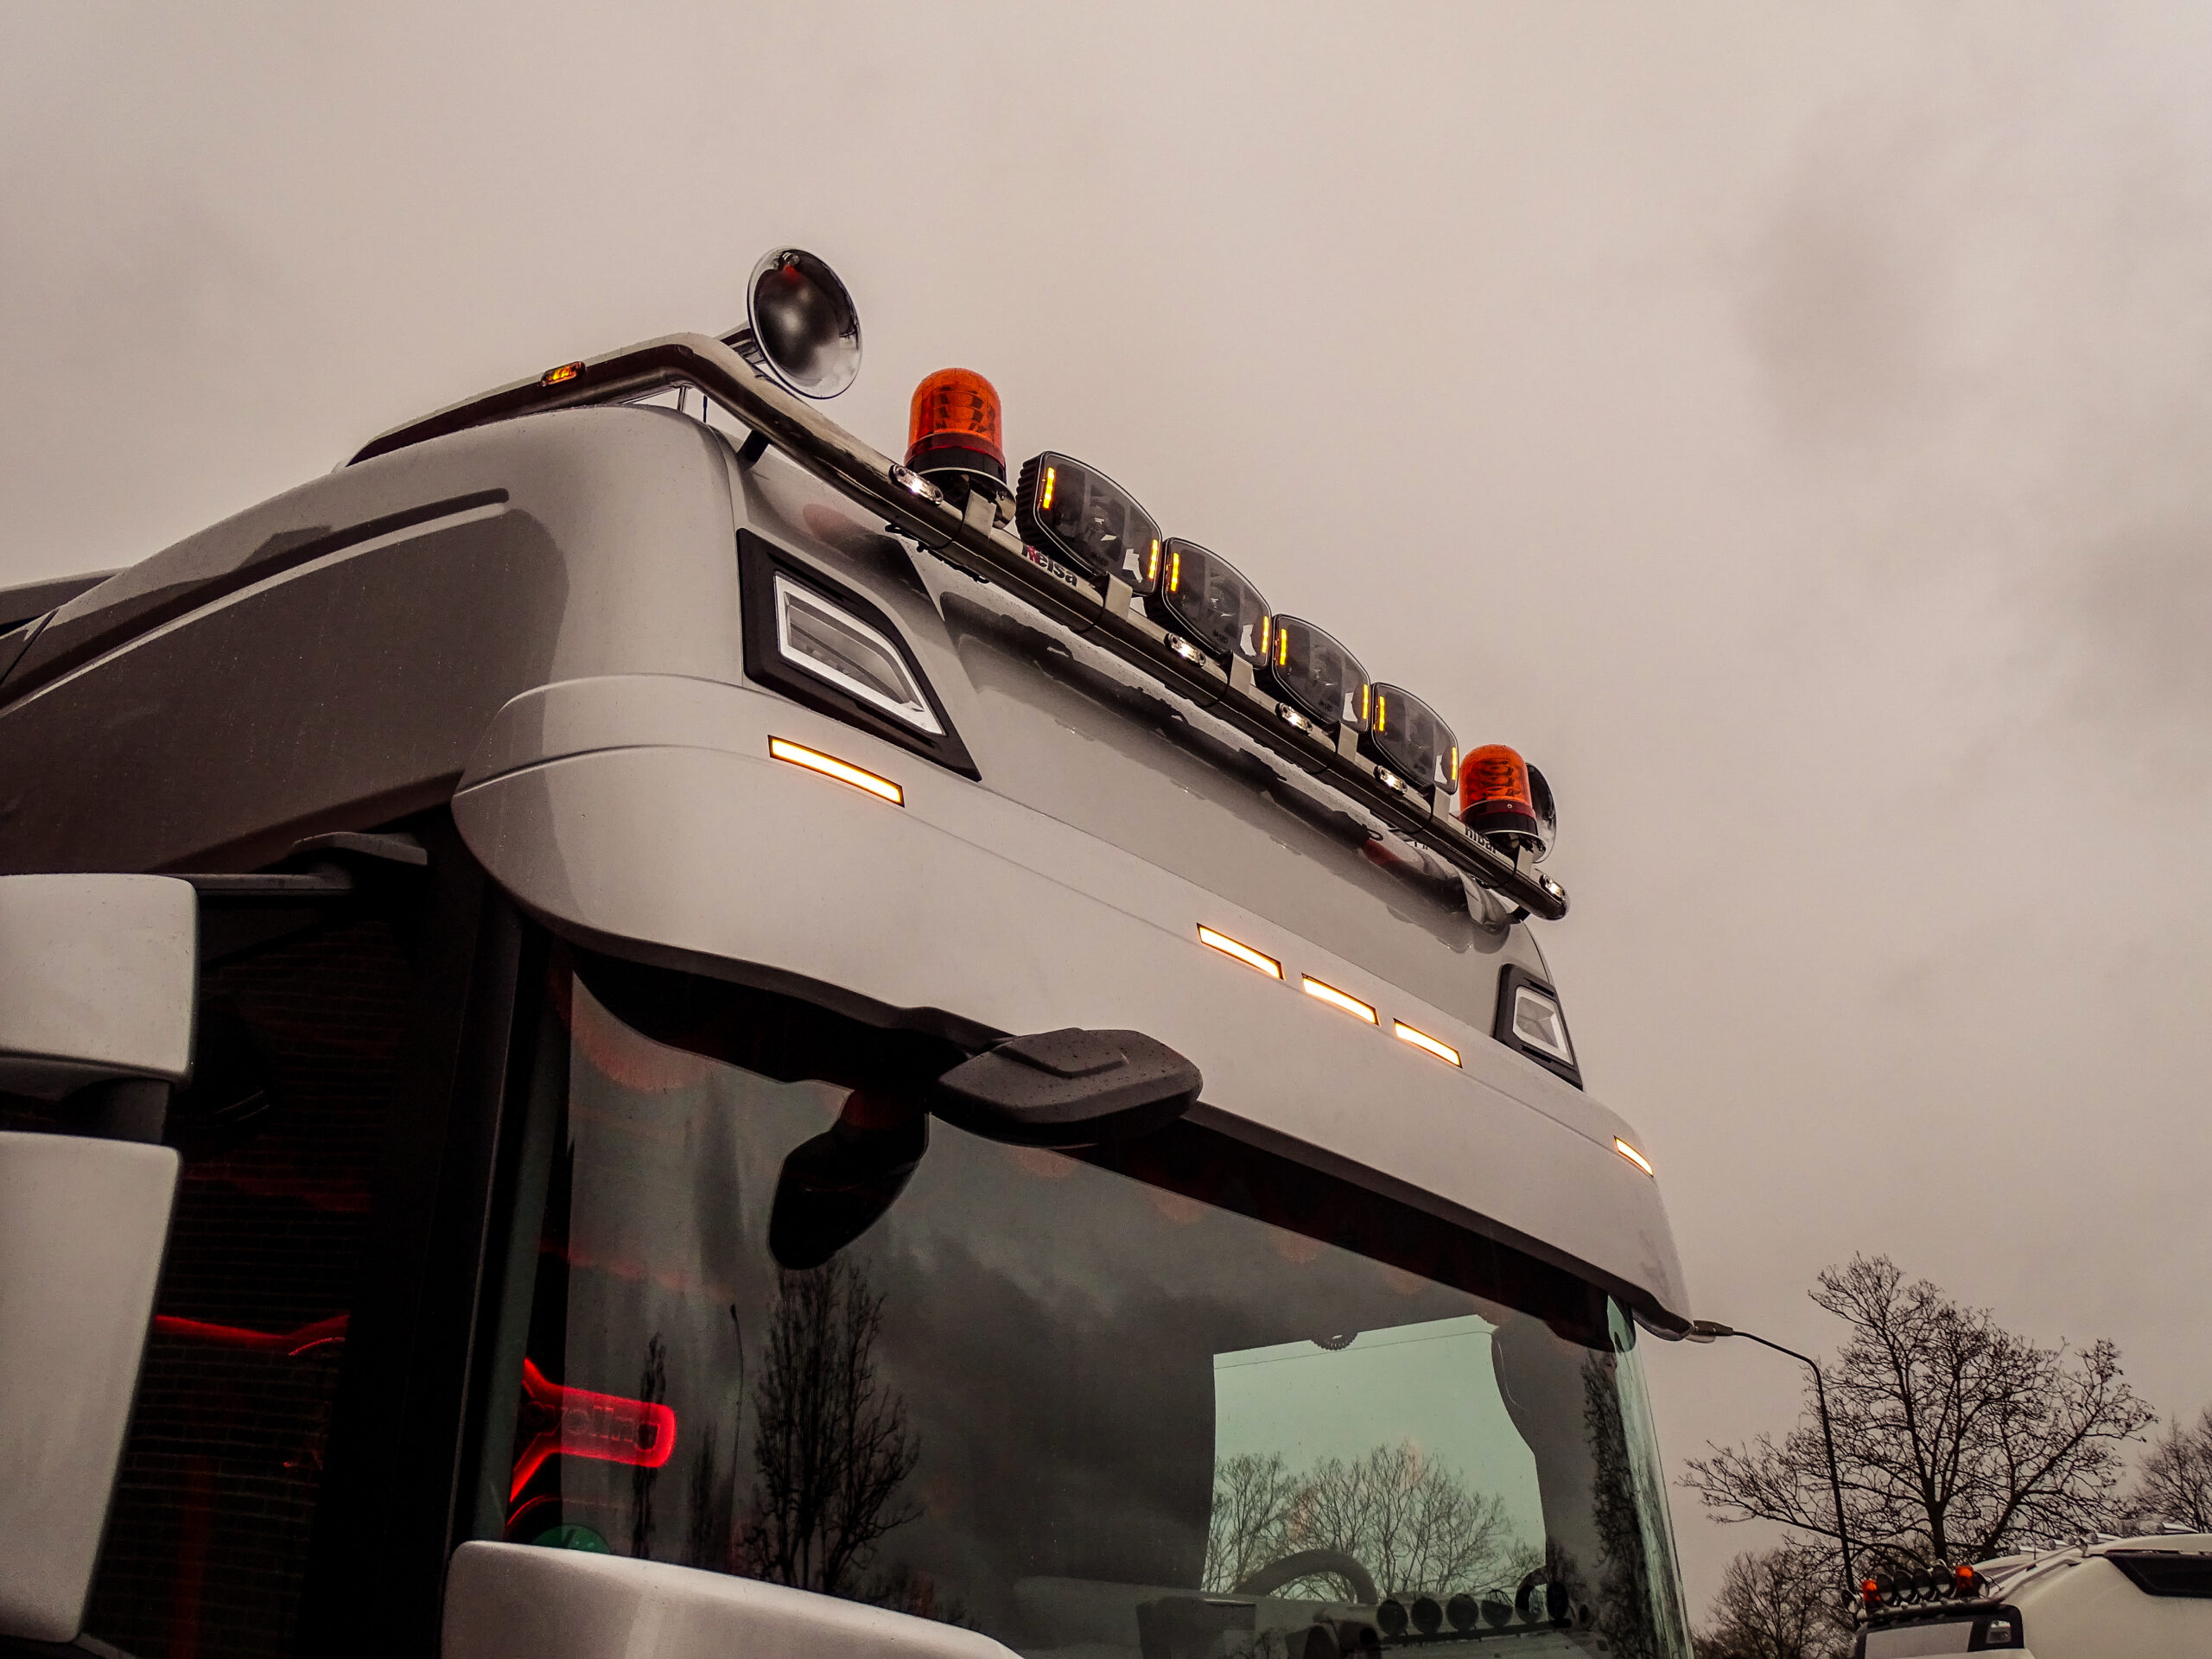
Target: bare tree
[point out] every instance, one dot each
(1778, 1603)
(1417, 1526)
(1955, 1437)
(2174, 1486)
(832, 1446)
(1249, 1526)
(652, 1389)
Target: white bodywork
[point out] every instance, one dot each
(2075, 1604)
(82, 1224)
(516, 1601)
(100, 971)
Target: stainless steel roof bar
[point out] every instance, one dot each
(916, 508)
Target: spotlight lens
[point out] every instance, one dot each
(1088, 519)
(1202, 597)
(1312, 673)
(1406, 734)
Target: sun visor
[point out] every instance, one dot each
(663, 819)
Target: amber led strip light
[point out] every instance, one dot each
(829, 766)
(1243, 953)
(1633, 1157)
(1423, 1041)
(1336, 999)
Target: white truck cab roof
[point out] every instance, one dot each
(2144, 1598)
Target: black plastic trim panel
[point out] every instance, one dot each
(759, 564)
(1511, 978)
(51, 655)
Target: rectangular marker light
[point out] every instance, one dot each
(1243, 953)
(829, 766)
(1427, 1043)
(1633, 1157)
(1336, 999)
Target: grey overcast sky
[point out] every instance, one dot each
(1787, 423)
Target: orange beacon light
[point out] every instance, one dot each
(954, 427)
(1494, 793)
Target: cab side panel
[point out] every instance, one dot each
(208, 706)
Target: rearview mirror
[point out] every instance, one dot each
(835, 1187)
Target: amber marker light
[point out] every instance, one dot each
(1423, 1041)
(1336, 999)
(1243, 953)
(1634, 1156)
(829, 766)
(563, 375)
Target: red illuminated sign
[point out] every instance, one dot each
(577, 1423)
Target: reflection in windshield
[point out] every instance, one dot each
(832, 1447)
(1177, 1400)
(1448, 1502)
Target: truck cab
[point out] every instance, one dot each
(776, 1059)
(2144, 1598)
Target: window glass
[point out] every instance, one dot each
(1182, 1400)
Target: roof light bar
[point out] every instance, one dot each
(1336, 999)
(1243, 953)
(829, 766)
(1633, 1157)
(1423, 1041)
(1222, 625)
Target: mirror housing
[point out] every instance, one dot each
(1068, 1087)
(1060, 1090)
(97, 981)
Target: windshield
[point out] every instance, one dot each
(1183, 1399)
